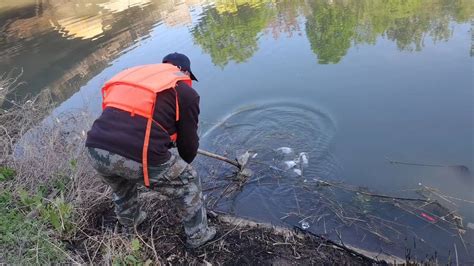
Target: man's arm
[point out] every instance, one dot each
(187, 127)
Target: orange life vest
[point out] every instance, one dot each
(134, 90)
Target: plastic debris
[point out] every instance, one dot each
(255, 155)
(243, 159)
(304, 225)
(285, 150)
(470, 226)
(245, 173)
(428, 217)
(297, 171)
(304, 158)
(290, 164)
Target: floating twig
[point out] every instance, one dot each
(371, 194)
(445, 197)
(460, 167)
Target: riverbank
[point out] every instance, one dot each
(238, 242)
(53, 209)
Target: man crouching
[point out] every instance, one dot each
(146, 111)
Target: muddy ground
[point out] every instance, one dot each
(238, 241)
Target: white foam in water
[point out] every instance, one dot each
(297, 171)
(285, 150)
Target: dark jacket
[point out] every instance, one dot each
(118, 132)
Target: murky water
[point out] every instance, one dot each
(348, 85)
(297, 180)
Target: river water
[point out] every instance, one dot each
(318, 89)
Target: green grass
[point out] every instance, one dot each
(6, 173)
(26, 240)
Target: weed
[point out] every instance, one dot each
(135, 245)
(127, 260)
(132, 255)
(58, 213)
(16, 230)
(6, 173)
(30, 202)
(73, 163)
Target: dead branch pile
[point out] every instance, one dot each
(239, 241)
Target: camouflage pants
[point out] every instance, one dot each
(175, 179)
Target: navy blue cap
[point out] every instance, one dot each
(181, 61)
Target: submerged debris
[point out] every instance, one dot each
(304, 225)
(285, 150)
(244, 158)
(303, 157)
(297, 164)
(290, 164)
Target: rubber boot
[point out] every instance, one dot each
(140, 218)
(201, 238)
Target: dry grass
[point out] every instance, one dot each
(46, 154)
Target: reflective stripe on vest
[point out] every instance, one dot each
(134, 90)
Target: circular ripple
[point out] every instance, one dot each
(280, 134)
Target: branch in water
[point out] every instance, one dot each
(460, 168)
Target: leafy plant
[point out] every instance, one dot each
(16, 230)
(28, 201)
(6, 173)
(127, 260)
(131, 258)
(135, 245)
(58, 213)
(73, 163)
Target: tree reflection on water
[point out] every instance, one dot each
(229, 31)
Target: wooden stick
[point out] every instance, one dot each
(368, 193)
(218, 157)
(459, 167)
